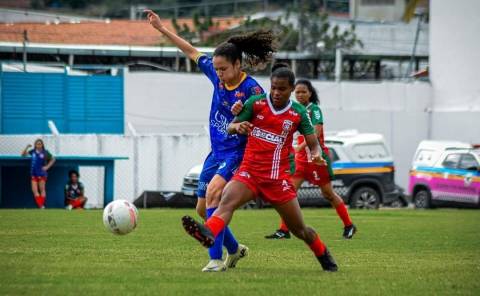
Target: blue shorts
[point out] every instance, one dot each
(225, 167)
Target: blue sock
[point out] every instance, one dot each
(216, 251)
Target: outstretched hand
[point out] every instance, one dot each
(154, 19)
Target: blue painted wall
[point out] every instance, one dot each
(77, 104)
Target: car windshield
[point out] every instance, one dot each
(477, 152)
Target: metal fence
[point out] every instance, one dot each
(155, 162)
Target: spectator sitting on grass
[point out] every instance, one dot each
(74, 192)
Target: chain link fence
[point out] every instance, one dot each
(155, 162)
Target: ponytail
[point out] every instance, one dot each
(255, 49)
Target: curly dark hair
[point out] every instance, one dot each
(255, 49)
(314, 97)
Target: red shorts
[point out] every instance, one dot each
(39, 179)
(313, 173)
(274, 191)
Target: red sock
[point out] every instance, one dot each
(38, 200)
(343, 214)
(215, 224)
(283, 226)
(42, 200)
(317, 247)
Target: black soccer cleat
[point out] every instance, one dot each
(327, 262)
(279, 234)
(198, 231)
(349, 231)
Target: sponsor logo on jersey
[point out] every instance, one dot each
(262, 102)
(222, 165)
(259, 116)
(291, 112)
(287, 125)
(239, 94)
(225, 103)
(220, 123)
(257, 90)
(316, 113)
(267, 136)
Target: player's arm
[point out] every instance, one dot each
(240, 124)
(317, 121)
(181, 43)
(50, 163)
(311, 140)
(25, 151)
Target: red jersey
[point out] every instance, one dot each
(317, 118)
(269, 144)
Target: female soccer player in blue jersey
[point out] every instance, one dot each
(230, 84)
(41, 162)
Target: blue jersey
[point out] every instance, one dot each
(220, 111)
(39, 160)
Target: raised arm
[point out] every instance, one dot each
(181, 43)
(25, 151)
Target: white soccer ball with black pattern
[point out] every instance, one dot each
(120, 217)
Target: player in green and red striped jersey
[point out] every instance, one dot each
(305, 169)
(270, 122)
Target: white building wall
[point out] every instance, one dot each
(455, 55)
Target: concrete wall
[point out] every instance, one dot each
(166, 101)
(455, 55)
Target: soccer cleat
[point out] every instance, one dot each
(232, 259)
(349, 231)
(214, 266)
(327, 262)
(198, 231)
(279, 234)
(69, 208)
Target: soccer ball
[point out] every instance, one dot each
(120, 217)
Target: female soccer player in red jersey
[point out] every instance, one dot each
(305, 169)
(270, 122)
(41, 162)
(231, 84)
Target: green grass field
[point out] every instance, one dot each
(56, 252)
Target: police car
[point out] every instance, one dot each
(445, 173)
(363, 167)
(364, 172)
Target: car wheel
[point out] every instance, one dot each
(422, 199)
(365, 198)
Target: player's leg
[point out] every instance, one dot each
(35, 191)
(322, 176)
(43, 194)
(213, 195)
(209, 170)
(292, 215)
(283, 232)
(201, 207)
(235, 194)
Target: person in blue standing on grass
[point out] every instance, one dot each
(231, 84)
(41, 161)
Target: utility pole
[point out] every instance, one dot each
(412, 58)
(24, 58)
